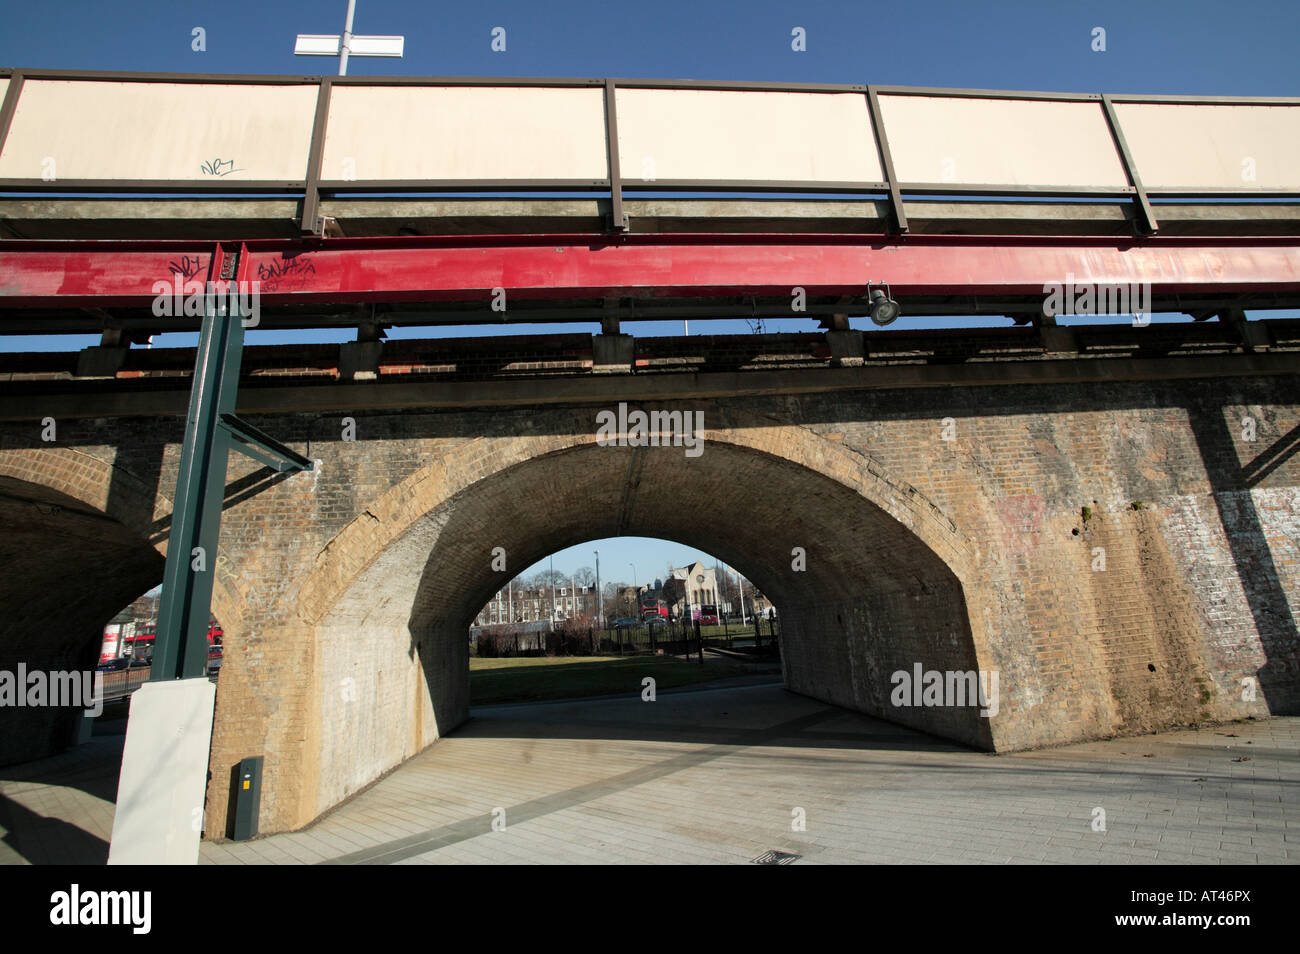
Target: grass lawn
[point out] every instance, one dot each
(531, 679)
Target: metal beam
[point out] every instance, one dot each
(211, 429)
(1146, 217)
(181, 647)
(260, 446)
(617, 217)
(308, 220)
(400, 269)
(886, 160)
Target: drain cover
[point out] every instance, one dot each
(775, 858)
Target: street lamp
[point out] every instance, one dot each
(600, 603)
(312, 44)
(552, 627)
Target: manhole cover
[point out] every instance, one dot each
(775, 858)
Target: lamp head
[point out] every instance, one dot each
(884, 310)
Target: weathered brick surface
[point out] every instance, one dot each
(345, 592)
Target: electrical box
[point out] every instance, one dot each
(248, 798)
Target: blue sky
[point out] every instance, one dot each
(1153, 46)
(627, 560)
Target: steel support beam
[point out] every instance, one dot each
(181, 648)
(180, 651)
(36, 274)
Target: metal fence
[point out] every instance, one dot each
(121, 683)
(758, 637)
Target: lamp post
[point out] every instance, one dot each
(636, 592)
(600, 600)
(723, 595)
(552, 627)
(312, 44)
(740, 584)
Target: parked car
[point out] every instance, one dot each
(708, 619)
(114, 665)
(624, 622)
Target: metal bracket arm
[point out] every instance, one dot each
(260, 446)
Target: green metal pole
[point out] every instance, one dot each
(181, 646)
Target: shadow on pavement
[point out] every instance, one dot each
(48, 841)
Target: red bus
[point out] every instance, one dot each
(141, 644)
(653, 606)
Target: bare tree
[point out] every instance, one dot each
(619, 599)
(584, 576)
(549, 577)
(674, 592)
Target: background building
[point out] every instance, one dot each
(697, 587)
(533, 603)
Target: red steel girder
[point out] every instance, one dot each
(35, 274)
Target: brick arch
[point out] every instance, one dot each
(354, 548)
(113, 491)
(391, 596)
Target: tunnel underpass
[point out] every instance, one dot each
(859, 595)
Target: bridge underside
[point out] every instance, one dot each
(68, 569)
(871, 600)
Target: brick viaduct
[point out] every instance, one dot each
(345, 593)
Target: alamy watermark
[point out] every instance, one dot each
(637, 428)
(946, 688)
(77, 906)
(56, 689)
(193, 299)
(1092, 298)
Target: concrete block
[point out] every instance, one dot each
(1057, 340)
(359, 360)
(100, 362)
(85, 728)
(847, 349)
(164, 774)
(612, 354)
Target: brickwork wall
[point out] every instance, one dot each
(369, 568)
(1199, 589)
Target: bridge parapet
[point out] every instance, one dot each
(317, 137)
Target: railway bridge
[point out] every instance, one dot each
(1104, 515)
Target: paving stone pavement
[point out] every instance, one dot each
(723, 775)
(716, 776)
(60, 810)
